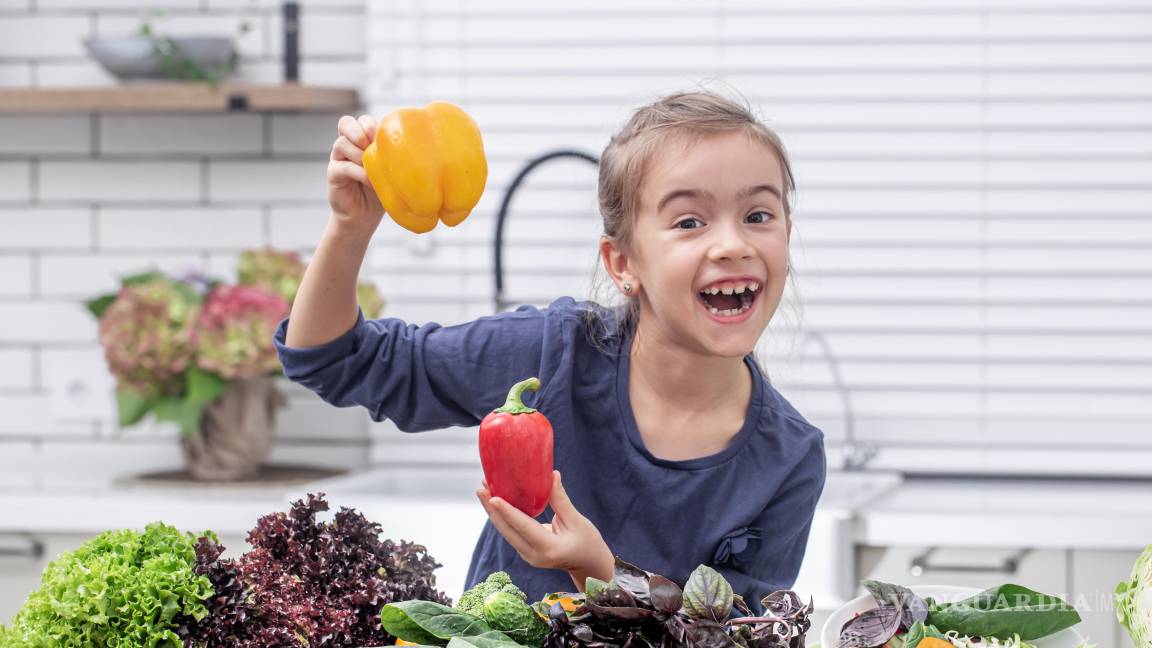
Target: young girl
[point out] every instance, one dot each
(674, 449)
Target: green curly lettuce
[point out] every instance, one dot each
(120, 589)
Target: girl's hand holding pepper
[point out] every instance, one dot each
(570, 542)
(353, 200)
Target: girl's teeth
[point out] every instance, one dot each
(730, 312)
(729, 290)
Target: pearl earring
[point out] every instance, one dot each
(627, 288)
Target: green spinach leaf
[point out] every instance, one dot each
(429, 623)
(1004, 611)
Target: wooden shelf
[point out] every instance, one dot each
(179, 97)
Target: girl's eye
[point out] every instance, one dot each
(688, 223)
(759, 217)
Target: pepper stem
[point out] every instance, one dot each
(514, 405)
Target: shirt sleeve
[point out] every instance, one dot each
(768, 555)
(422, 377)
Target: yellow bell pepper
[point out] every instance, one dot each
(427, 165)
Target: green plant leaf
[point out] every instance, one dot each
(494, 639)
(707, 595)
(1005, 611)
(593, 586)
(429, 623)
(180, 411)
(204, 387)
(100, 304)
(131, 406)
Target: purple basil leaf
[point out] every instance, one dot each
(666, 595)
(708, 596)
(915, 609)
(614, 597)
(622, 613)
(872, 628)
(708, 634)
(634, 580)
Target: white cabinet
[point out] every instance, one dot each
(1044, 570)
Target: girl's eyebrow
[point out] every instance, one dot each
(707, 195)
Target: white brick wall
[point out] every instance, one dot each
(86, 199)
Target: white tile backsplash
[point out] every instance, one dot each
(183, 135)
(304, 134)
(40, 321)
(119, 181)
(84, 276)
(16, 275)
(44, 35)
(16, 367)
(275, 180)
(28, 227)
(325, 34)
(45, 135)
(297, 227)
(36, 415)
(15, 185)
(180, 228)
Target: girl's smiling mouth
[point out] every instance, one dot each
(729, 301)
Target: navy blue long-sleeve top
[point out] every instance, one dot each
(745, 511)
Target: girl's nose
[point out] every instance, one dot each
(729, 243)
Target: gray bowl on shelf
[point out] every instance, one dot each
(137, 57)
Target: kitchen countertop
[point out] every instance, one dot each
(952, 511)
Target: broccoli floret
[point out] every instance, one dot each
(472, 601)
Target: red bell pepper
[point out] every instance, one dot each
(516, 452)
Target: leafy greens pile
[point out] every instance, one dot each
(639, 608)
(308, 583)
(121, 589)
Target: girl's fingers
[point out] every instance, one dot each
(350, 127)
(369, 126)
(341, 169)
(561, 505)
(494, 514)
(343, 149)
(527, 528)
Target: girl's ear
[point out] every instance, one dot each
(616, 262)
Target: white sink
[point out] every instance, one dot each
(849, 490)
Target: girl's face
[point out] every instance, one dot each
(711, 220)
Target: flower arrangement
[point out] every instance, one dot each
(175, 344)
